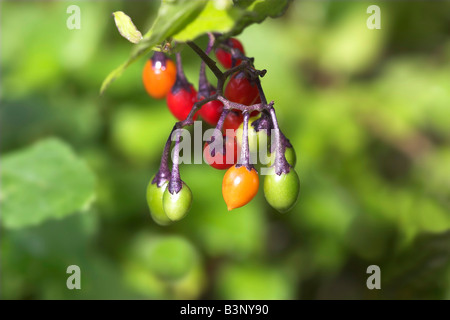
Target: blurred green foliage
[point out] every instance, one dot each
(366, 110)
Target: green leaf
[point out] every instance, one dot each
(46, 180)
(126, 27)
(257, 12)
(185, 20)
(211, 19)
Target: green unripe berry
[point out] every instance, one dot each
(177, 205)
(281, 191)
(155, 202)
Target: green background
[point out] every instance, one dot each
(368, 112)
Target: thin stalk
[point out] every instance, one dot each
(163, 173)
(281, 165)
(175, 182)
(204, 87)
(180, 72)
(245, 150)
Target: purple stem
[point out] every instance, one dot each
(281, 165)
(204, 87)
(245, 151)
(175, 183)
(261, 91)
(222, 119)
(233, 105)
(163, 173)
(218, 130)
(180, 73)
(211, 63)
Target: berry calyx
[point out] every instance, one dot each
(159, 75)
(281, 191)
(155, 202)
(240, 90)
(239, 186)
(289, 154)
(222, 157)
(224, 57)
(177, 204)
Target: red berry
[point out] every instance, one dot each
(158, 75)
(234, 119)
(211, 111)
(224, 57)
(240, 90)
(222, 160)
(180, 101)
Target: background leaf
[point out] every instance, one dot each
(46, 180)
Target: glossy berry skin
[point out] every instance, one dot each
(180, 100)
(155, 203)
(220, 160)
(240, 90)
(281, 191)
(211, 111)
(158, 77)
(177, 205)
(224, 57)
(239, 186)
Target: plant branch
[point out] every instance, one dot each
(210, 63)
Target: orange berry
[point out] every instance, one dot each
(239, 186)
(159, 79)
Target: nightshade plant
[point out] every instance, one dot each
(236, 96)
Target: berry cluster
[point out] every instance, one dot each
(243, 120)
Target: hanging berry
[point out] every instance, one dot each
(241, 90)
(155, 201)
(177, 204)
(225, 57)
(281, 191)
(240, 183)
(182, 95)
(159, 75)
(211, 111)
